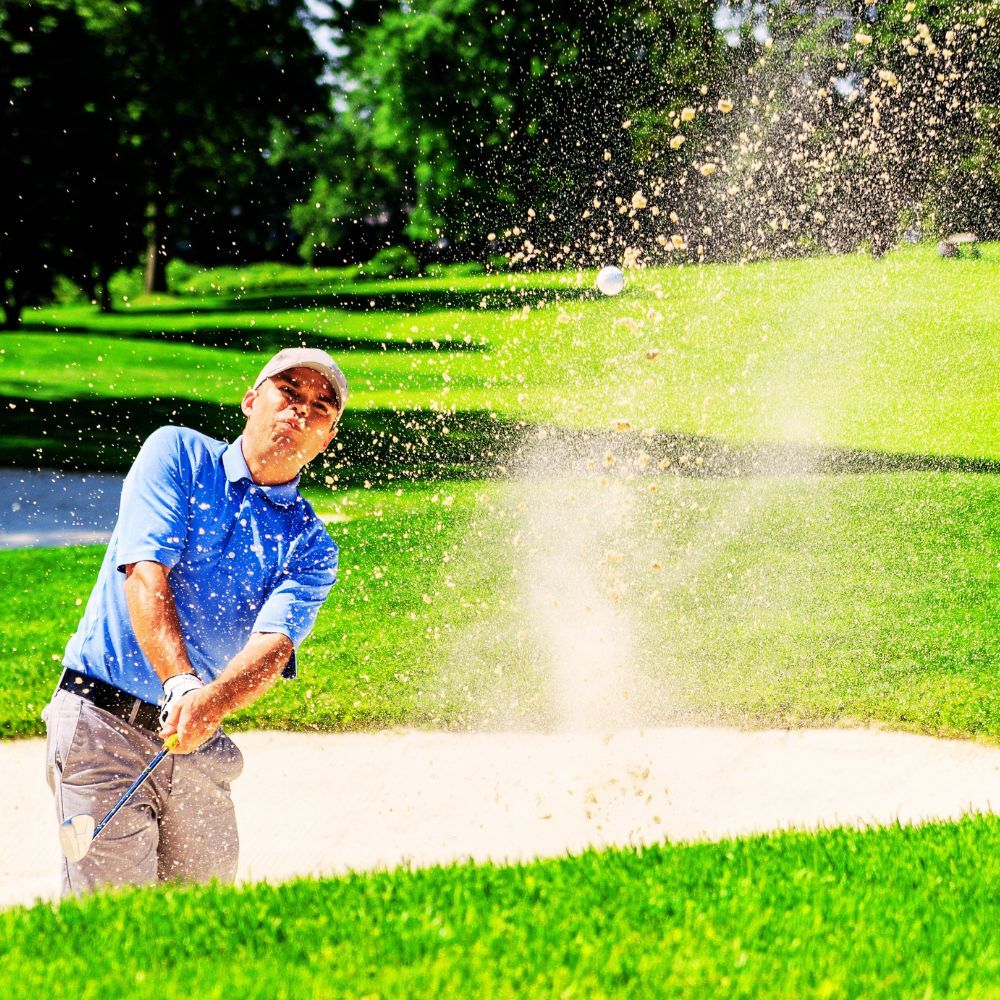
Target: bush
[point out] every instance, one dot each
(392, 262)
(127, 285)
(66, 292)
(264, 276)
(179, 273)
(466, 270)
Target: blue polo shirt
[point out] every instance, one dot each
(243, 558)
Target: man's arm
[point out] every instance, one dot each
(197, 715)
(249, 674)
(154, 618)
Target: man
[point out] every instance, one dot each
(214, 575)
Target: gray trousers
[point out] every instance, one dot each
(179, 826)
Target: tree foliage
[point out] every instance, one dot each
(65, 204)
(539, 122)
(152, 115)
(457, 116)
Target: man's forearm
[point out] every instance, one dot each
(158, 631)
(154, 618)
(250, 672)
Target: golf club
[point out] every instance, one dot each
(77, 833)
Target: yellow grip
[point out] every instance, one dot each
(170, 743)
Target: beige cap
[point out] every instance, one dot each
(308, 357)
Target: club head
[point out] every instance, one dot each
(75, 836)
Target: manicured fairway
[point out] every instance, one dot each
(895, 355)
(836, 585)
(798, 596)
(784, 601)
(883, 913)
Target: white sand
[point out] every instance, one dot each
(313, 804)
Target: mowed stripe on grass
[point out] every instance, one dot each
(801, 601)
(895, 355)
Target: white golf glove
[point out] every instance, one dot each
(174, 688)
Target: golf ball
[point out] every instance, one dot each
(610, 280)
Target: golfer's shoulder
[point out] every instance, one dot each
(185, 443)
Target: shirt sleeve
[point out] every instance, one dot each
(153, 516)
(291, 608)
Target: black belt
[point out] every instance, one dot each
(121, 704)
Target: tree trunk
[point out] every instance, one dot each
(11, 314)
(103, 292)
(156, 250)
(11, 304)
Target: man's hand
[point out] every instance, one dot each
(195, 717)
(174, 688)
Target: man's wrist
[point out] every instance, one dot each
(177, 673)
(216, 698)
(175, 689)
(188, 680)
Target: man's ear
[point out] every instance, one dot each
(246, 404)
(331, 436)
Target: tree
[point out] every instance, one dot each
(65, 202)
(844, 126)
(547, 123)
(458, 116)
(148, 114)
(204, 87)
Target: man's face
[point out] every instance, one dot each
(293, 414)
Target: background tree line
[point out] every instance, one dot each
(223, 131)
(146, 129)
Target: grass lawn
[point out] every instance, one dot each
(849, 575)
(897, 355)
(760, 600)
(896, 912)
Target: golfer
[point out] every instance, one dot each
(214, 575)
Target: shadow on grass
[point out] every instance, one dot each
(378, 446)
(257, 338)
(698, 457)
(383, 446)
(377, 300)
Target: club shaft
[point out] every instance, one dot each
(131, 790)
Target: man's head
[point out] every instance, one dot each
(292, 412)
(308, 357)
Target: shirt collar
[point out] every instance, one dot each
(282, 495)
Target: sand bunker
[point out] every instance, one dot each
(322, 804)
(43, 507)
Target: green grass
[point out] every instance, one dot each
(865, 594)
(895, 912)
(789, 601)
(799, 599)
(897, 355)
